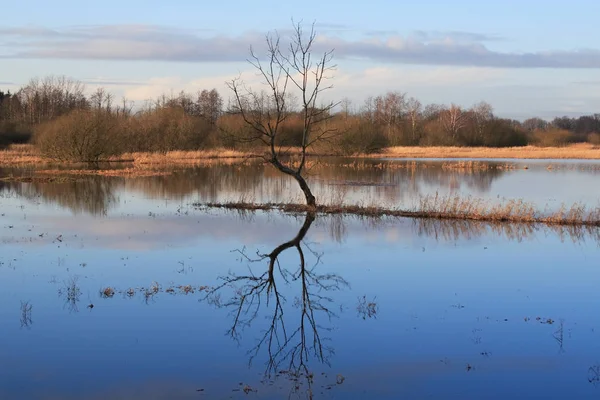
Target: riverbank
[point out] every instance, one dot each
(26, 154)
(581, 151)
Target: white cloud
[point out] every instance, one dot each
(159, 43)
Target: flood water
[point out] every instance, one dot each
(120, 288)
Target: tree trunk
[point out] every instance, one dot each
(310, 199)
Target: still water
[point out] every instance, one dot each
(121, 288)
(388, 183)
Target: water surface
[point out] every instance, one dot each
(389, 308)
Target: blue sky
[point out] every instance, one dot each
(524, 57)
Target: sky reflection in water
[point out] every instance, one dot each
(454, 313)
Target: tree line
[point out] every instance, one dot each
(66, 122)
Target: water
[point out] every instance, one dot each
(386, 183)
(390, 308)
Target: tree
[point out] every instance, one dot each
(289, 71)
(389, 110)
(413, 107)
(534, 124)
(453, 120)
(482, 114)
(101, 99)
(210, 105)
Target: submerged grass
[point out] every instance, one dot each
(442, 207)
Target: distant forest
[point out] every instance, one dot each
(65, 122)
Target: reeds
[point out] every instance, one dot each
(20, 154)
(123, 172)
(28, 154)
(443, 207)
(574, 151)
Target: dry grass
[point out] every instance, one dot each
(443, 207)
(124, 172)
(471, 165)
(184, 157)
(38, 179)
(20, 154)
(27, 154)
(107, 292)
(575, 151)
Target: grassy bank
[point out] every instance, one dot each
(443, 208)
(26, 154)
(583, 151)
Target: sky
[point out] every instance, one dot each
(526, 58)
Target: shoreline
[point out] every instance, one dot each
(20, 155)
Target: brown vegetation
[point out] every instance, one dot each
(123, 172)
(192, 128)
(444, 207)
(72, 126)
(17, 154)
(27, 154)
(574, 151)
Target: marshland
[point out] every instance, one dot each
(283, 247)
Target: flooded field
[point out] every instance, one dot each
(115, 287)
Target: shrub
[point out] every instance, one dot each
(361, 137)
(434, 135)
(594, 138)
(502, 134)
(167, 129)
(552, 138)
(82, 136)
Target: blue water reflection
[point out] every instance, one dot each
(456, 306)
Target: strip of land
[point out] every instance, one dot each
(28, 155)
(441, 207)
(580, 151)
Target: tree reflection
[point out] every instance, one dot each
(288, 349)
(93, 195)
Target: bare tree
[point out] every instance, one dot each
(414, 107)
(389, 110)
(44, 99)
(101, 99)
(483, 113)
(453, 120)
(346, 105)
(533, 124)
(288, 70)
(210, 105)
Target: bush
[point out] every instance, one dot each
(434, 135)
(82, 136)
(594, 138)
(361, 137)
(167, 129)
(552, 138)
(502, 134)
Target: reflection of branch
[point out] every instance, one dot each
(251, 291)
(72, 293)
(26, 320)
(559, 336)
